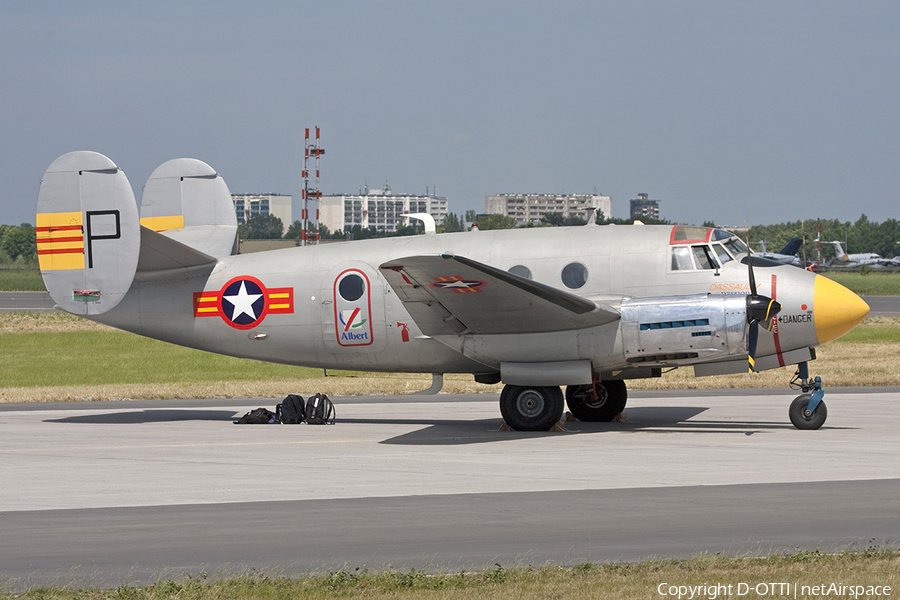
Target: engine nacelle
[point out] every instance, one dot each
(676, 330)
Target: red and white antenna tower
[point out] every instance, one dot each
(314, 150)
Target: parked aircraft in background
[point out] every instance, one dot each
(842, 259)
(586, 307)
(788, 254)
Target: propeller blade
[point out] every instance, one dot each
(760, 309)
(751, 346)
(750, 270)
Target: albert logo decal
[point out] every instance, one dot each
(351, 319)
(353, 309)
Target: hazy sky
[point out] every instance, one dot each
(732, 111)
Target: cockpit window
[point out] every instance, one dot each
(719, 234)
(724, 257)
(681, 259)
(701, 254)
(696, 257)
(701, 248)
(736, 247)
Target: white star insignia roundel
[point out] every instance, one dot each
(243, 302)
(457, 284)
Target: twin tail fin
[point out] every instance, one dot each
(93, 241)
(187, 201)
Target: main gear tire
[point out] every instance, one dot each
(531, 408)
(610, 400)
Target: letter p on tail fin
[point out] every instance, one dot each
(88, 233)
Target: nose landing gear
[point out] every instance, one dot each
(807, 411)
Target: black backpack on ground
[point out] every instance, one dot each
(292, 410)
(257, 416)
(319, 410)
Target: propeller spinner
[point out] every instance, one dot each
(760, 309)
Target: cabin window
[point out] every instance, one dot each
(521, 271)
(352, 287)
(574, 275)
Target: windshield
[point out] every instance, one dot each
(736, 247)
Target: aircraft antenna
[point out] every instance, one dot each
(315, 150)
(818, 244)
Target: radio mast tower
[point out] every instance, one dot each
(314, 150)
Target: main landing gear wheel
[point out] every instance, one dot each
(802, 417)
(531, 408)
(610, 401)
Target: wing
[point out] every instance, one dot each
(448, 295)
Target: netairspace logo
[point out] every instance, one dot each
(771, 590)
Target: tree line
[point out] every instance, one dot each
(18, 245)
(18, 242)
(855, 237)
(269, 227)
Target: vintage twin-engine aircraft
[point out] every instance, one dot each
(586, 307)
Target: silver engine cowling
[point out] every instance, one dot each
(676, 330)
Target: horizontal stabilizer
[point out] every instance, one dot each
(448, 295)
(161, 253)
(186, 200)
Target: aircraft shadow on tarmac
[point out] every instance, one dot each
(449, 432)
(148, 416)
(644, 419)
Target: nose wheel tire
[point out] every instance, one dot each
(802, 417)
(610, 401)
(531, 408)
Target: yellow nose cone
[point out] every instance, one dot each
(837, 310)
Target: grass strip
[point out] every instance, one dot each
(868, 283)
(803, 574)
(111, 357)
(21, 280)
(60, 357)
